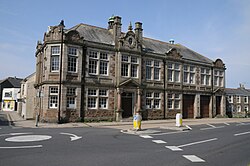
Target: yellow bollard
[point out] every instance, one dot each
(137, 121)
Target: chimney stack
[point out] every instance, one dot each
(138, 31)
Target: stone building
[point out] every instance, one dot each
(238, 104)
(93, 73)
(26, 97)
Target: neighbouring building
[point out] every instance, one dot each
(9, 99)
(10, 82)
(238, 104)
(26, 97)
(93, 73)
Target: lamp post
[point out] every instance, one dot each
(61, 25)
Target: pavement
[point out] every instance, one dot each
(147, 126)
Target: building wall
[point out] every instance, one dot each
(9, 99)
(27, 97)
(155, 98)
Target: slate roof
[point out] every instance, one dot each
(15, 82)
(238, 91)
(104, 36)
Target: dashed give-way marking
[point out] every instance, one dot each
(174, 148)
(193, 158)
(145, 136)
(159, 141)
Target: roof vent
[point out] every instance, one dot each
(171, 41)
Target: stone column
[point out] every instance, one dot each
(139, 93)
(119, 105)
(197, 106)
(223, 105)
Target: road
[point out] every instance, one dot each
(208, 144)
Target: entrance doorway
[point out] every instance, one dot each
(188, 106)
(127, 104)
(204, 105)
(218, 102)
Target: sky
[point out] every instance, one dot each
(213, 28)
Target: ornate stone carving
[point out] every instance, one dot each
(73, 36)
(174, 53)
(219, 63)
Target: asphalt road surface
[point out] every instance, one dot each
(208, 144)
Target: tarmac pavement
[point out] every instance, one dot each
(15, 120)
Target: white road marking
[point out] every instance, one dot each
(145, 136)
(159, 141)
(14, 134)
(198, 142)
(28, 138)
(22, 147)
(248, 132)
(209, 128)
(174, 132)
(242, 124)
(73, 138)
(193, 158)
(174, 148)
(188, 127)
(226, 123)
(211, 125)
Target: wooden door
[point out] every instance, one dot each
(127, 105)
(188, 106)
(204, 105)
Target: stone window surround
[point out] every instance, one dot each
(98, 62)
(97, 96)
(129, 66)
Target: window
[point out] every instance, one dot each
(98, 63)
(246, 108)
(129, 66)
(238, 99)
(174, 101)
(189, 74)
(149, 68)
(71, 98)
(72, 59)
(173, 72)
(218, 78)
(153, 69)
(54, 62)
(8, 94)
(97, 98)
(153, 100)
(53, 97)
(246, 99)
(230, 99)
(238, 108)
(205, 76)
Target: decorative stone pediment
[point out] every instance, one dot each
(173, 53)
(73, 36)
(129, 40)
(129, 83)
(219, 63)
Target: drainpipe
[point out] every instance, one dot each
(164, 85)
(60, 76)
(212, 85)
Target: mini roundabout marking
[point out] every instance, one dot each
(25, 138)
(28, 138)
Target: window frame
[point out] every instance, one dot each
(55, 59)
(98, 62)
(53, 97)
